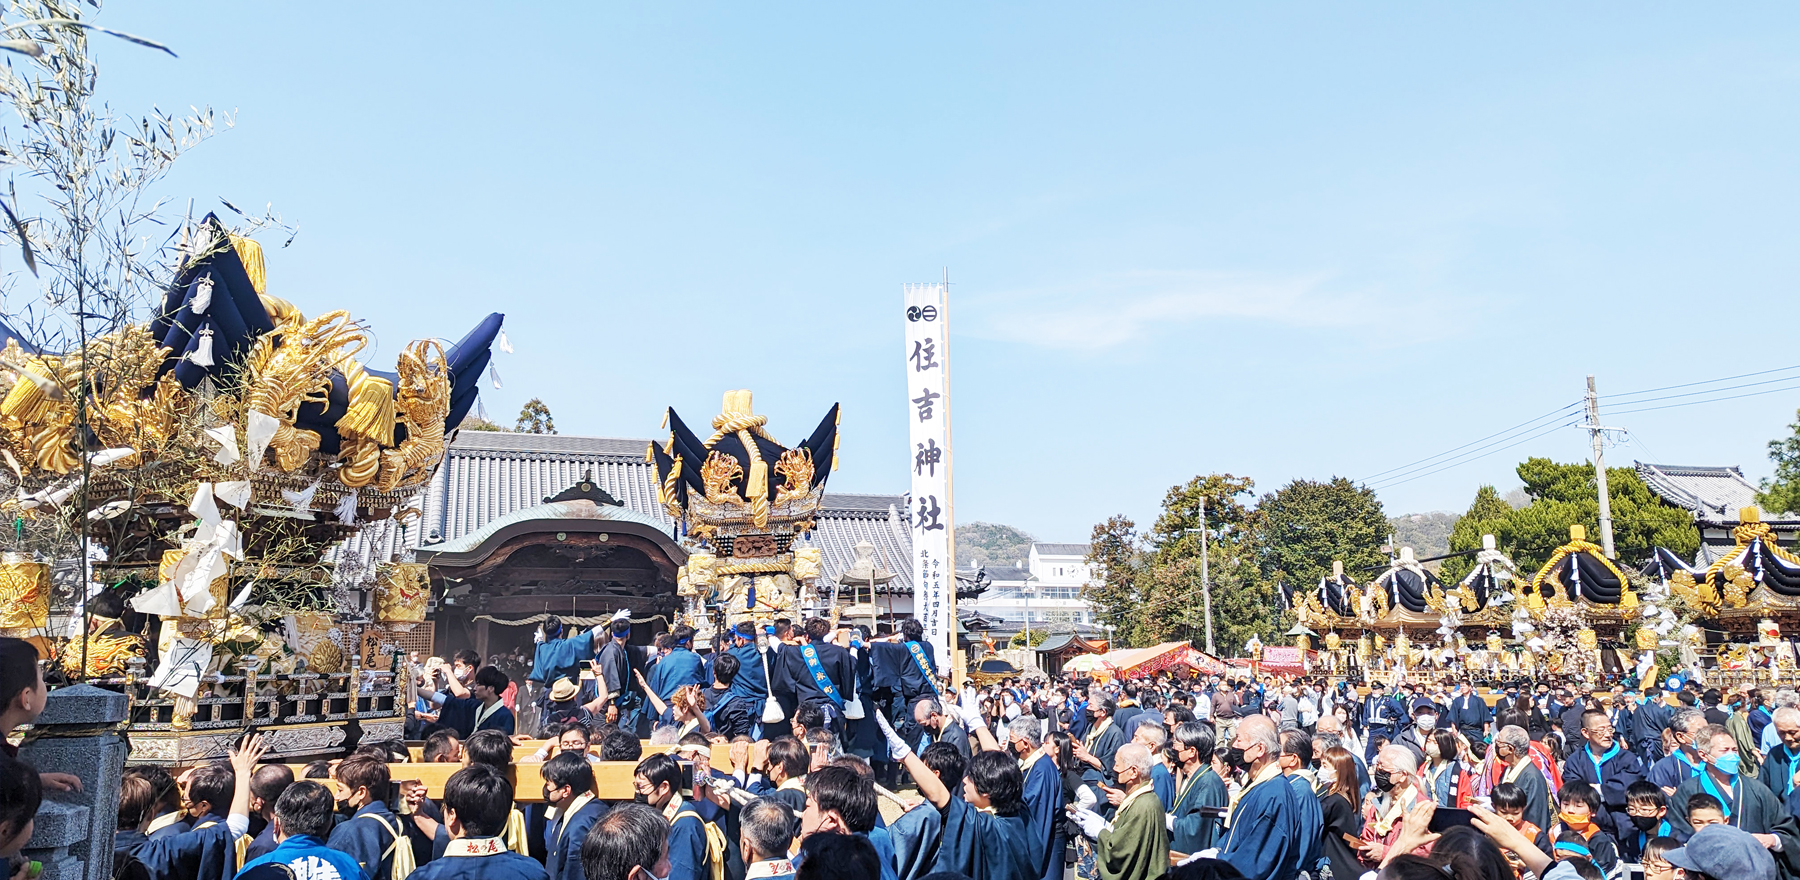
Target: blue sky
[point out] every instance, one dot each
(1280, 240)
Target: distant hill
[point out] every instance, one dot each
(992, 544)
(1427, 533)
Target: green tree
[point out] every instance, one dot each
(1243, 597)
(1486, 516)
(1566, 494)
(1307, 524)
(473, 422)
(1115, 557)
(1781, 492)
(991, 544)
(534, 418)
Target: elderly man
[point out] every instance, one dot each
(1512, 748)
(1153, 737)
(929, 713)
(1749, 804)
(1265, 839)
(1608, 766)
(1043, 797)
(1783, 761)
(1396, 790)
(1135, 845)
(1684, 763)
(1103, 740)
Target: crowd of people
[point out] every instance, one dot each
(851, 755)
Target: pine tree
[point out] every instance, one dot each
(534, 418)
(1781, 493)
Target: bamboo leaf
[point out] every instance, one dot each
(24, 242)
(71, 22)
(23, 47)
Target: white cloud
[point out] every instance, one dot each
(1113, 310)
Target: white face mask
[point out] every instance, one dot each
(1427, 722)
(1327, 776)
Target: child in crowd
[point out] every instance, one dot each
(1655, 860)
(1648, 809)
(1703, 809)
(1509, 804)
(1578, 805)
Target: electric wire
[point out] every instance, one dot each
(1703, 382)
(1623, 412)
(1605, 397)
(1472, 455)
(1525, 425)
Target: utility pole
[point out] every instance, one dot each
(1205, 582)
(1594, 429)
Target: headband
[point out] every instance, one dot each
(1575, 848)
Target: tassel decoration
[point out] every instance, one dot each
(250, 253)
(371, 412)
(202, 355)
(494, 375)
(203, 290)
(505, 344)
(346, 509)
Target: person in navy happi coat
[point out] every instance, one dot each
(679, 668)
(1265, 840)
(797, 678)
(1043, 800)
(369, 835)
(569, 788)
(1603, 762)
(477, 802)
(302, 818)
(208, 851)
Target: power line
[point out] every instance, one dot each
(1470, 456)
(1705, 382)
(1622, 412)
(1705, 391)
(1551, 414)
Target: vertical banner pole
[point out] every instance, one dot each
(928, 434)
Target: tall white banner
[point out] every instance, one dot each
(928, 414)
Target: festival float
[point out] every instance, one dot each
(744, 505)
(206, 462)
(1581, 617)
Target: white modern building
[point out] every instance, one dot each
(1044, 588)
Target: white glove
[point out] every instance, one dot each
(897, 747)
(1090, 822)
(1169, 822)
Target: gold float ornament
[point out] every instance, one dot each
(1646, 638)
(1333, 641)
(717, 474)
(1587, 638)
(807, 561)
(294, 366)
(317, 640)
(1364, 646)
(401, 591)
(1768, 632)
(1495, 644)
(24, 593)
(107, 655)
(422, 403)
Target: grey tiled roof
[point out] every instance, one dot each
(845, 520)
(1714, 495)
(1061, 549)
(1001, 574)
(489, 475)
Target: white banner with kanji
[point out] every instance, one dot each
(928, 415)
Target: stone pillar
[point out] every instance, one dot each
(78, 734)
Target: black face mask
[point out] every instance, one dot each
(641, 798)
(1384, 781)
(1234, 757)
(1646, 824)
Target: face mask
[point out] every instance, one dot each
(1234, 757)
(1578, 823)
(1727, 763)
(641, 798)
(1646, 824)
(1384, 781)
(1427, 722)
(1431, 751)
(1327, 777)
